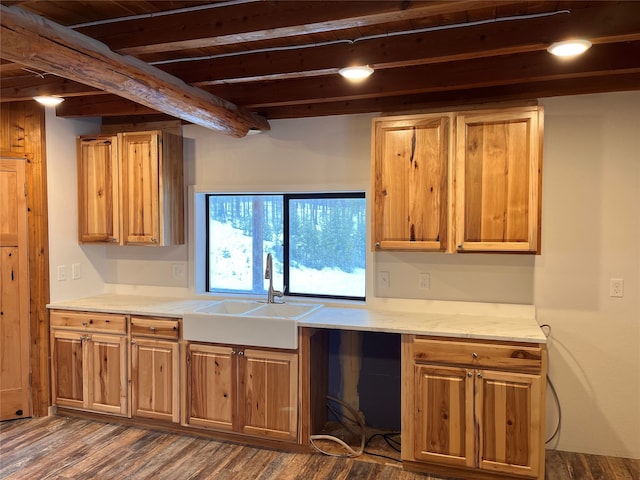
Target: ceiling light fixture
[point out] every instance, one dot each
(49, 101)
(355, 73)
(569, 48)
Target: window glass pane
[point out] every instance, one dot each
(242, 229)
(327, 238)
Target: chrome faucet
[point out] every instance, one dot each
(268, 275)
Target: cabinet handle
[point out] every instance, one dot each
(474, 355)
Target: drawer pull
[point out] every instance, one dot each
(474, 355)
(85, 324)
(152, 328)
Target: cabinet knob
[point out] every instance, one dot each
(233, 352)
(469, 374)
(152, 329)
(154, 240)
(133, 342)
(241, 353)
(377, 244)
(460, 246)
(474, 355)
(84, 324)
(479, 374)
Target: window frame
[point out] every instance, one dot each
(286, 197)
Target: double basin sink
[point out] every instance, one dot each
(246, 322)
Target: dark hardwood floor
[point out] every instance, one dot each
(72, 448)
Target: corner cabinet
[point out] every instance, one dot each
(473, 409)
(244, 390)
(458, 182)
(130, 189)
(89, 361)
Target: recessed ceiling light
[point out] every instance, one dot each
(359, 72)
(569, 48)
(49, 101)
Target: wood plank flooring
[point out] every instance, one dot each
(71, 448)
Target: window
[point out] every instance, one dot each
(317, 240)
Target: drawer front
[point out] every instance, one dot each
(155, 327)
(525, 358)
(89, 321)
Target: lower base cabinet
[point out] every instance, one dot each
(245, 390)
(155, 368)
(89, 361)
(473, 409)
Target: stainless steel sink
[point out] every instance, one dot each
(249, 323)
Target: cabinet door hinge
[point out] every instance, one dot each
(25, 189)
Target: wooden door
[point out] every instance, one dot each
(211, 386)
(98, 190)
(509, 416)
(498, 171)
(410, 182)
(67, 368)
(15, 388)
(140, 181)
(106, 373)
(154, 379)
(269, 393)
(444, 427)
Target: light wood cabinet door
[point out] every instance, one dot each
(155, 379)
(410, 182)
(498, 175)
(508, 412)
(107, 373)
(98, 189)
(211, 386)
(269, 393)
(443, 412)
(140, 187)
(67, 369)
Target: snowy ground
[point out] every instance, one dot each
(231, 269)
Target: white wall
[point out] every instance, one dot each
(591, 233)
(591, 211)
(62, 195)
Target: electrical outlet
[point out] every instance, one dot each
(75, 271)
(178, 271)
(62, 273)
(423, 281)
(616, 287)
(383, 280)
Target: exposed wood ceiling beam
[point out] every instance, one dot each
(64, 52)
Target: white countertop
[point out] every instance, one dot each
(452, 319)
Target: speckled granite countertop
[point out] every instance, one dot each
(439, 318)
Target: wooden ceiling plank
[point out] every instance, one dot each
(263, 21)
(39, 43)
(503, 70)
(600, 25)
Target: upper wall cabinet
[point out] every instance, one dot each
(498, 176)
(410, 182)
(458, 182)
(130, 189)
